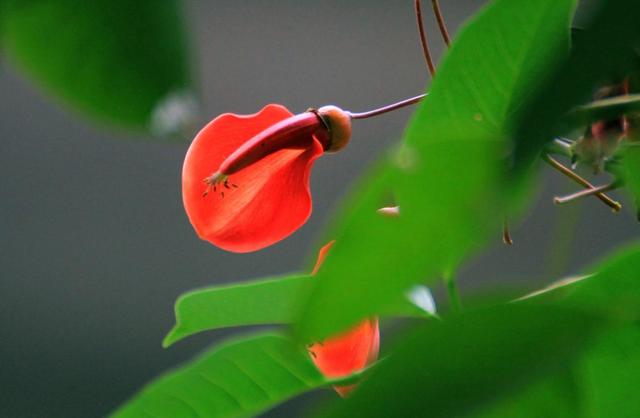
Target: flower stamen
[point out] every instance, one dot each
(214, 180)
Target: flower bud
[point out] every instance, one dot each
(338, 123)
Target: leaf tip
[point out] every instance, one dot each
(172, 336)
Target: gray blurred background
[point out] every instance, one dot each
(95, 244)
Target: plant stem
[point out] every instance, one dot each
(388, 108)
(441, 24)
(616, 206)
(453, 292)
(423, 39)
(583, 193)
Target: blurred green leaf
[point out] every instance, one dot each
(449, 179)
(604, 109)
(241, 378)
(630, 171)
(475, 361)
(606, 49)
(270, 301)
(609, 288)
(611, 375)
(123, 62)
(613, 289)
(555, 396)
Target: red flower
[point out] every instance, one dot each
(349, 352)
(245, 179)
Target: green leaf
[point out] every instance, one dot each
(610, 375)
(473, 362)
(262, 302)
(604, 109)
(610, 288)
(270, 301)
(606, 50)
(614, 288)
(238, 378)
(556, 396)
(631, 171)
(118, 61)
(449, 179)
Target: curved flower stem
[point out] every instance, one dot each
(385, 109)
(443, 27)
(427, 56)
(453, 292)
(423, 39)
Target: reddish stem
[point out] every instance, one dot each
(423, 39)
(443, 27)
(583, 193)
(388, 108)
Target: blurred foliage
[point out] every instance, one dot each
(118, 61)
(605, 51)
(572, 350)
(609, 375)
(631, 173)
(604, 109)
(556, 396)
(449, 178)
(462, 365)
(458, 366)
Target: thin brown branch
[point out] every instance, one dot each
(583, 193)
(423, 39)
(443, 27)
(616, 206)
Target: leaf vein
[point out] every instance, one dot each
(225, 391)
(249, 376)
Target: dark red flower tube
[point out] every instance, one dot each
(347, 353)
(245, 179)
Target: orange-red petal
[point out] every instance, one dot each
(347, 353)
(272, 198)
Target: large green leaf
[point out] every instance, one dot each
(611, 375)
(473, 362)
(609, 288)
(235, 379)
(270, 301)
(449, 179)
(614, 288)
(606, 50)
(631, 171)
(555, 396)
(116, 60)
